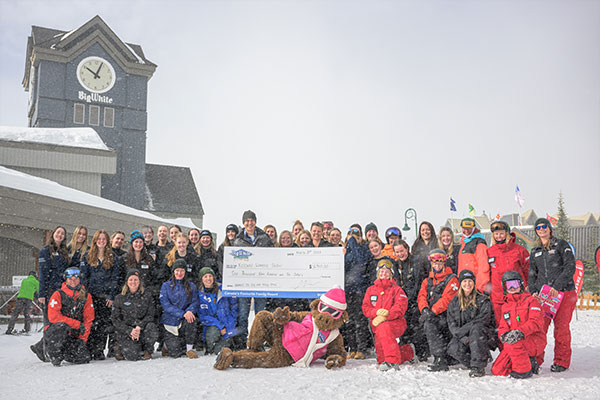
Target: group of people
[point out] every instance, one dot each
(453, 300)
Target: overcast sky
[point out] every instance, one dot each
(354, 111)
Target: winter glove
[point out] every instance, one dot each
(383, 312)
(79, 331)
(512, 337)
(426, 313)
(378, 319)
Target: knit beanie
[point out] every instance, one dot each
(205, 232)
(131, 272)
(136, 235)
(335, 298)
(232, 227)
(468, 223)
(248, 214)
(543, 221)
(206, 270)
(371, 227)
(466, 274)
(179, 263)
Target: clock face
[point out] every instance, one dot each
(96, 74)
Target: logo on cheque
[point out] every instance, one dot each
(241, 254)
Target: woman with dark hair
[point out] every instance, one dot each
(376, 251)
(356, 330)
(411, 273)
(231, 232)
(179, 301)
(148, 233)
(470, 322)
(53, 261)
(180, 251)
(446, 242)
(426, 240)
(78, 245)
(100, 270)
(173, 232)
(163, 245)
(70, 318)
(217, 314)
(552, 263)
(271, 231)
(133, 319)
(116, 242)
(207, 253)
(138, 258)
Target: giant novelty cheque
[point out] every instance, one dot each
(282, 272)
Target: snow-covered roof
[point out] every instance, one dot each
(72, 137)
(45, 187)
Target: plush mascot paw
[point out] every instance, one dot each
(224, 359)
(281, 316)
(335, 361)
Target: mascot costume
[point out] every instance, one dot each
(294, 338)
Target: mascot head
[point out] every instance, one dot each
(329, 311)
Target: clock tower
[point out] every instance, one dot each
(89, 77)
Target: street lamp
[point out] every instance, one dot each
(408, 214)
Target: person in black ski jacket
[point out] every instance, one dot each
(470, 322)
(133, 319)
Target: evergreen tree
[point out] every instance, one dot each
(561, 230)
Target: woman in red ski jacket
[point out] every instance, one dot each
(385, 304)
(521, 330)
(505, 255)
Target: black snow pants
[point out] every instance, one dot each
(60, 345)
(133, 350)
(101, 327)
(414, 332)
(356, 333)
(472, 350)
(176, 345)
(438, 334)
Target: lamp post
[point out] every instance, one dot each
(410, 214)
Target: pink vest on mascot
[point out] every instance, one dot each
(305, 342)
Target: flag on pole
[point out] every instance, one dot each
(452, 204)
(518, 197)
(498, 217)
(551, 219)
(471, 210)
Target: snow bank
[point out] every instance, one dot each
(72, 137)
(161, 377)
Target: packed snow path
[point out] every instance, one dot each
(24, 375)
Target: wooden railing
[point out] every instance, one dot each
(585, 302)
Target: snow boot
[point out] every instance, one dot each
(439, 364)
(9, 332)
(56, 362)
(476, 372)
(191, 354)
(557, 368)
(535, 367)
(360, 355)
(147, 355)
(386, 366)
(224, 359)
(350, 355)
(38, 350)
(521, 375)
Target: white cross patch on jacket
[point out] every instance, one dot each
(53, 303)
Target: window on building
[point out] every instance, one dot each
(109, 117)
(94, 115)
(78, 113)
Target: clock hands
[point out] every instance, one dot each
(96, 76)
(97, 72)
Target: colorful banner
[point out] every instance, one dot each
(471, 210)
(452, 204)
(519, 197)
(578, 276)
(598, 260)
(291, 272)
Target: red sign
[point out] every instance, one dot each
(578, 276)
(598, 260)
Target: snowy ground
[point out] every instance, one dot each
(24, 376)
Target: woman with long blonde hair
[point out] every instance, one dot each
(78, 244)
(100, 270)
(470, 322)
(445, 242)
(180, 250)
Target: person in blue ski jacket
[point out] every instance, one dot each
(179, 301)
(216, 313)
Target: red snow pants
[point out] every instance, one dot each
(386, 345)
(562, 331)
(515, 357)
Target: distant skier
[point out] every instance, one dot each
(24, 302)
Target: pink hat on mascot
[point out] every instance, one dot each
(335, 298)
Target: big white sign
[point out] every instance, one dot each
(292, 272)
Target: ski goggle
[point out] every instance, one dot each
(437, 258)
(513, 284)
(392, 231)
(467, 224)
(324, 308)
(353, 230)
(72, 273)
(537, 228)
(498, 227)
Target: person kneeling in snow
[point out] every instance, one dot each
(385, 304)
(521, 330)
(470, 322)
(434, 297)
(70, 316)
(216, 313)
